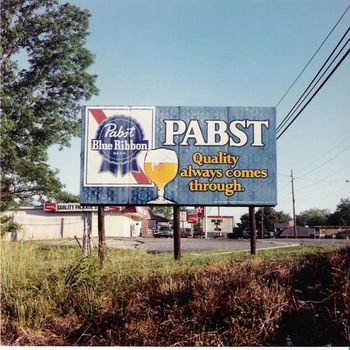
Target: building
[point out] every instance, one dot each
(329, 231)
(219, 226)
(66, 220)
(287, 231)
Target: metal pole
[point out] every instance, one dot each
(177, 234)
(102, 248)
(293, 200)
(252, 230)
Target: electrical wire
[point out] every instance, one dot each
(302, 98)
(327, 161)
(315, 93)
(313, 56)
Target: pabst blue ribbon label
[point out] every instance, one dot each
(118, 139)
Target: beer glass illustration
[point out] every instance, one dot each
(161, 168)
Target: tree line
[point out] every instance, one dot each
(266, 218)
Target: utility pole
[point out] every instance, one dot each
(293, 200)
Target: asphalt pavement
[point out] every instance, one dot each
(163, 245)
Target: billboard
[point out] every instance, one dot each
(178, 155)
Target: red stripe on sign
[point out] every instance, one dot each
(140, 177)
(98, 114)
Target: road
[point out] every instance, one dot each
(162, 245)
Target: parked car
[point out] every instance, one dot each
(164, 231)
(198, 233)
(343, 235)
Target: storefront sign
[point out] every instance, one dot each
(75, 207)
(192, 216)
(182, 155)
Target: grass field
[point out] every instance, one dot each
(50, 295)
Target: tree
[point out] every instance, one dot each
(270, 218)
(313, 217)
(67, 197)
(341, 216)
(166, 211)
(44, 80)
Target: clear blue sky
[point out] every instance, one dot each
(229, 53)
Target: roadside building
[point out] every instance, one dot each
(219, 226)
(287, 231)
(301, 232)
(330, 231)
(66, 220)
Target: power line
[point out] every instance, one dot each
(327, 161)
(324, 154)
(297, 104)
(337, 171)
(313, 56)
(315, 93)
(330, 150)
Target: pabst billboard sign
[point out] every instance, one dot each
(182, 155)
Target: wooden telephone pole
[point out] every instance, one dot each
(293, 200)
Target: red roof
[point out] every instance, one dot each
(141, 212)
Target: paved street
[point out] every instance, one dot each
(161, 245)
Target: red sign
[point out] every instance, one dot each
(200, 212)
(192, 217)
(50, 207)
(115, 209)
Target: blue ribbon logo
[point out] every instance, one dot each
(119, 139)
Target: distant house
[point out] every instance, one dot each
(301, 232)
(329, 231)
(286, 231)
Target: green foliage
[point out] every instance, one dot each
(44, 80)
(341, 217)
(66, 197)
(165, 210)
(271, 217)
(313, 217)
(7, 225)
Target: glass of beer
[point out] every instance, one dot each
(161, 168)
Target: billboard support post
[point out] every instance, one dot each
(102, 248)
(252, 230)
(85, 236)
(177, 234)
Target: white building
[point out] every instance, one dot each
(219, 226)
(55, 221)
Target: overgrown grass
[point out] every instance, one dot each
(51, 295)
